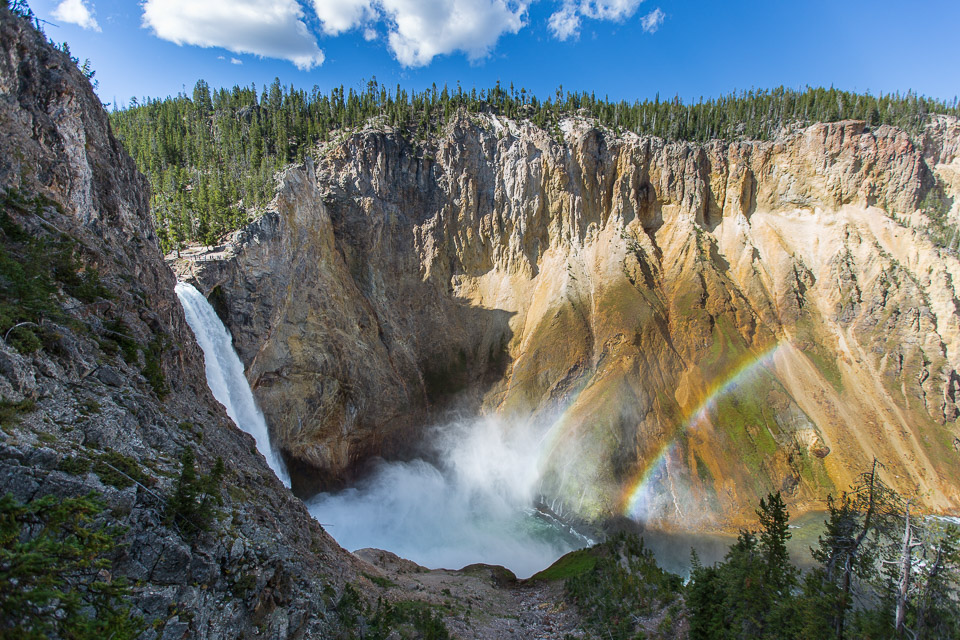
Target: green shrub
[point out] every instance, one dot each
(625, 582)
(153, 369)
(74, 465)
(418, 619)
(34, 267)
(118, 338)
(52, 584)
(192, 506)
(380, 581)
(118, 470)
(10, 412)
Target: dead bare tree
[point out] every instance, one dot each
(905, 562)
(850, 546)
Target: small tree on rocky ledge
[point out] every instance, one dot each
(192, 506)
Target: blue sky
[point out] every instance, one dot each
(624, 49)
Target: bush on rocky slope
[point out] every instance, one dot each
(54, 571)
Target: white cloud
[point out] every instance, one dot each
(76, 12)
(338, 16)
(565, 23)
(609, 9)
(236, 61)
(424, 29)
(652, 21)
(267, 28)
(420, 30)
(369, 34)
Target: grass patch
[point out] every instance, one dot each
(740, 417)
(380, 581)
(827, 366)
(571, 565)
(119, 471)
(822, 358)
(11, 412)
(703, 472)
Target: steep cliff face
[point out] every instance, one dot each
(115, 392)
(700, 324)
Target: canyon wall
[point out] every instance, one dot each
(691, 325)
(114, 393)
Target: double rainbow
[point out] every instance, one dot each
(641, 490)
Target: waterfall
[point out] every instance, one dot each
(225, 373)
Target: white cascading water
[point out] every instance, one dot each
(225, 373)
(475, 504)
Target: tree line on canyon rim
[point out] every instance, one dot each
(211, 156)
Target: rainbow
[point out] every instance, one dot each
(559, 430)
(640, 492)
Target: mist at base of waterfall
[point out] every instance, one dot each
(474, 506)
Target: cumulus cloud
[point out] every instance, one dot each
(76, 12)
(267, 28)
(424, 29)
(337, 16)
(420, 30)
(652, 21)
(565, 22)
(236, 61)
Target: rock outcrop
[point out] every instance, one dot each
(117, 392)
(700, 323)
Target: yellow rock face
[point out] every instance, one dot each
(696, 325)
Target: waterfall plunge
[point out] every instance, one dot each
(474, 503)
(225, 373)
(475, 506)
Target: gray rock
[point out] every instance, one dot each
(108, 375)
(18, 373)
(175, 629)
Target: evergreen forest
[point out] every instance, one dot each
(211, 156)
(879, 572)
